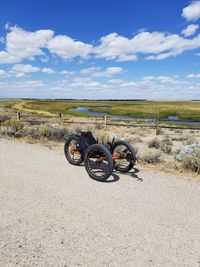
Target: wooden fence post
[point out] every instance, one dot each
(157, 125)
(60, 117)
(18, 116)
(105, 121)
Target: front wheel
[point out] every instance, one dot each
(98, 162)
(124, 156)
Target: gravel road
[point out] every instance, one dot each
(52, 214)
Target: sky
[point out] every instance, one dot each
(91, 49)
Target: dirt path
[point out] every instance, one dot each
(52, 214)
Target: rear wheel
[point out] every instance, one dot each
(124, 156)
(98, 162)
(72, 150)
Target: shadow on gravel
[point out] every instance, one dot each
(133, 174)
(115, 177)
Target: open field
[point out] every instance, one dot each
(188, 110)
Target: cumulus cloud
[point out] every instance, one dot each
(48, 70)
(192, 11)
(158, 45)
(20, 70)
(25, 68)
(98, 72)
(193, 75)
(116, 81)
(26, 45)
(21, 44)
(88, 83)
(190, 30)
(67, 48)
(164, 79)
(31, 84)
(90, 70)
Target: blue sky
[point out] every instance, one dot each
(100, 49)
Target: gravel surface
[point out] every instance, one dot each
(52, 214)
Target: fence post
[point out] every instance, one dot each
(105, 121)
(60, 117)
(18, 116)
(157, 125)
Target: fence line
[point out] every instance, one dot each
(104, 121)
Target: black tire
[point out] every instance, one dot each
(73, 140)
(128, 154)
(98, 169)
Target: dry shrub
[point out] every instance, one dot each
(18, 129)
(135, 139)
(51, 132)
(99, 126)
(3, 118)
(12, 128)
(165, 145)
(151, 156)
(155, 143)
(192, 163)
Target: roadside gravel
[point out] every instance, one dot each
(52, 214)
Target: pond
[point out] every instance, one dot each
(171, 119)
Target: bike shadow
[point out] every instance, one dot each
(133, 173)
(115, 175)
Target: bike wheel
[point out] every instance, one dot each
(124, 156)
(72, 150)
(98, 162)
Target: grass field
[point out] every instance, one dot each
(189, 110)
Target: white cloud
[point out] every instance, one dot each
(192, 11)
(20, 70)
(30, 84)
(122, 58)
(21, 44)
(109, 72)
(88, 83)
(190, 30)
(67, 73)
(48, 70)
(115, 81)
(3, 74)
(25, 68)
(113, 46)
(164, 79)
(98, 72)
(158, 45)
(90, 70)
(67, 48)
(193, 75)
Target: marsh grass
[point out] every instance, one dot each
(187, 110)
